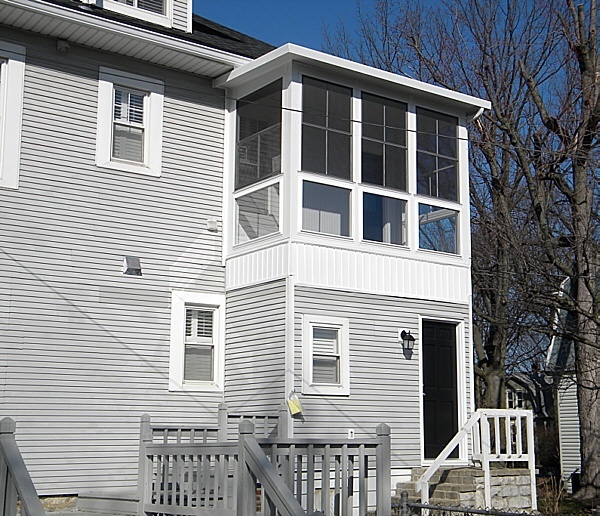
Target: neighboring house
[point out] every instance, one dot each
(191, 217)
(561, 362)
(535, 391)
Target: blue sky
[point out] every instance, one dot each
(281, 21)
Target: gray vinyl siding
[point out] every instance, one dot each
(85, 349)
(180, 14)
(255, 349)
(384, 384)
(568, 428)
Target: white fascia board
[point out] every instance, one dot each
(135, 33)
(290, 52)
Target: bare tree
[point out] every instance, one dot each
(534, 169)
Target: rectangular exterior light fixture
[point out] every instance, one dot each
(132, 266)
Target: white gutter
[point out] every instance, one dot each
(121, 29)
(296, 53)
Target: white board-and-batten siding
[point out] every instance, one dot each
(255, 351)
(384, 382)
(84, 349)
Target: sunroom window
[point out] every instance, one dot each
(384, 219)
(326, 128)
(325, 209)
(437, 229)
(437, 155)
(258, 213)
(259, 135)
(383, 142)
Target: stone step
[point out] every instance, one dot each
(113, 503)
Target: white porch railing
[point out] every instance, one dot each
(497, 435)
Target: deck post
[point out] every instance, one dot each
(384, 472)
(283, 422)
(246, 491)
(145, 464)
(222, 420)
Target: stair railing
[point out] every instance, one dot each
(498, 435)
(15, 482)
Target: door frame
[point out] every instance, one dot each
(463, 371)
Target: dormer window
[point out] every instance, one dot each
(153, 6)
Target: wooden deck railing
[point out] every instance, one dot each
(15, 482)
(297, 476)
(498, 435)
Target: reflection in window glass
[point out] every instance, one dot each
(383, 142)
(258, 214)
(326, 133)
(437, 229)
(325, 209)
(437, 151)
(259, 135)
(384, 219)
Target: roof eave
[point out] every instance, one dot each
(472, 106)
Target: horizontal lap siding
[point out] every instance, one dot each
(180, 14)
(255, 351)
(85, 349)
(384, 384)
(568, 427)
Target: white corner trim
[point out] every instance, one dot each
(179, 300)
(12, 70)
(343, 327)
(153, 125)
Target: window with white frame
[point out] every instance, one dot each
(326, 361)
(384, 219)
(12, 73)
(383, 142)
(325, 208)
(155, 11)
(437, 154)
(326, 128)
(130, 118)
(257, 213)
(197, 341)
(438, 229)
(515, 399)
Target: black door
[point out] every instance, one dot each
(440, 396)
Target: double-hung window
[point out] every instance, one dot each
(325, 355)
(12, 73)
(197, 341)
(130, 118)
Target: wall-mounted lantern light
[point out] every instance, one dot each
(408, 341)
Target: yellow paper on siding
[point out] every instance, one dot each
(294, 405)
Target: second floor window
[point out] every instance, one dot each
(259, 135)
(326, 128)
(128, 125)
(383, 142)
(437, 155)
